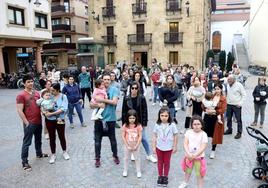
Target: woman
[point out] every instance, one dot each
(203, 80)
(137, 102)
(61, 106)
(73, 93)
(260, 94)
(168, 94)
(138, 77)
(214, 127)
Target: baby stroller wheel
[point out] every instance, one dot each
(263, 185)
(258, 173)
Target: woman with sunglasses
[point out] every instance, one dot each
(136, 101)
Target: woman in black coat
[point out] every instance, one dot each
(137, 101)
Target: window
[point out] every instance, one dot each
(56, 39)
(86, 26)
(173, 58)
(56, 21)
(15, 16)
(67, 21)
(86, 10)
(40, 20)
(68, 39)
(110, 57)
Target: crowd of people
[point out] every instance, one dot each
(207, 98)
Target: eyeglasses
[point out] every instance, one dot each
(136, 88)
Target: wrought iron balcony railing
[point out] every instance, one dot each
(108, 12)
(139, 8)
(59, 46)
(63, 27)
(140, 39)
(109, 39)
(173, 37)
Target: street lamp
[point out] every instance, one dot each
(187, 5)
(97, 18)
(36, 3)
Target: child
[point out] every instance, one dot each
(99, 92)
(211, 105)
(164, 144)
(131, 135)
(47, 104)
(195, 143)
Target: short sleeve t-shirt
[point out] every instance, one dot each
(195, 140)
(131, 134)
(165, 136)
(109, 113)
(31, 109)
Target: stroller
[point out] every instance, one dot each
(262, 156)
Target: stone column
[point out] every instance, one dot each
(38, 58)
(2, 65)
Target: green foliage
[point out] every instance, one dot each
(210, 53)
(222, 60)
(230, 62)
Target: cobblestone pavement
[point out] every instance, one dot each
(232, 166)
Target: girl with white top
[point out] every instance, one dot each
(195, 143)
(164, 144)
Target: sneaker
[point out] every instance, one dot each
(261, 126)
(26, 166)
(66, 155)
(138, 174)
(183, 185)
(116, 160)
(47, 136)
(154, 104)
(237, 136)
(72, 125)
(52, 159)
(212, 155)
(83, 124)
(117, 126)
(97, 163)
(42, 155)
(165, 181)
(182, 131)
(183, 109)
(124, 173)
(151, 158)
(132, 157)
(160, 180)
(175, 121)
(228, 131)
(253, 124)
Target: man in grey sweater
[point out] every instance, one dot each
(236, 94)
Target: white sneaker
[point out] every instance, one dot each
(46, 136)
(83, 124)
(183, 185)
(151, 158)
(52, 159)
(132, 157)
(66, 155)
(182, 131)
(138, 174)
(153, 104)
(72, 125)
(124, 173)
(212, 155)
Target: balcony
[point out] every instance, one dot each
(62, 46)
(139, 9)
(173, 38)
(63, 28)
(109, 40)
(61, 10)
(108, 12)
(139, 39)
(173, 6)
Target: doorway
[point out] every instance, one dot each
(141, 58)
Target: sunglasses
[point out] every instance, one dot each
(136, 88)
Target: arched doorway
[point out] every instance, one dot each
(216, 41)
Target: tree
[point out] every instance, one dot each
(210, 54)
(230, 62)
(222, 60)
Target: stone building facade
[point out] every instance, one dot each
(172, 31)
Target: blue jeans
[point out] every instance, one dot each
(155, 93)
(78, 109)
(29, 131)
(145, 143)
(181, 98)
(172, 112)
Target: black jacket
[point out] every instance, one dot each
(141, 109)
(168, 94)
(257, 93)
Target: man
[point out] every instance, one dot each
(106, 127)
(156, 84)
(30, 115)
(179, 79)
(114, 83)
(236, 94)
(42, 80)
(124, 82)
(85, 85)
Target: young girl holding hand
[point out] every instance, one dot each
(164, 144)
(131, 135)
(195, 143)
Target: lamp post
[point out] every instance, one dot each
(187, 5)
(36, 3)
(97, 18)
